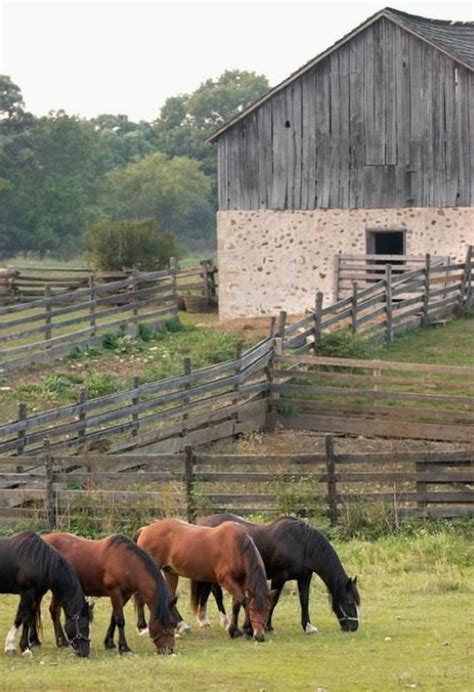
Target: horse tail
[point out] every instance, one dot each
(256, 577)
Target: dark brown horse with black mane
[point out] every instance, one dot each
(116, 567)
(225, 555)
(291, 549)
(30, 567)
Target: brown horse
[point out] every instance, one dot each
(226, 555)
(116, 567)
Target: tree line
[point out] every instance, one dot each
(60, 174)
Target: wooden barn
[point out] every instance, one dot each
(366, 149)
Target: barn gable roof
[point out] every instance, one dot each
(455, 39)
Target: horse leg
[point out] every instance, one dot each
(10, 641)
(109, 635)
(142, 627)
(303, 591)
(172, 580)
(219, 598)
(55, 612)
(34, 638)
(24, 617)
(118, 603)
(277, 588)
(238, 595)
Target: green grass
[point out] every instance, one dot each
(415, 633)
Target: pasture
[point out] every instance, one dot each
(416, 622)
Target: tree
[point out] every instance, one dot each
(114, 245)
(175, 192)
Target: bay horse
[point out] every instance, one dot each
(30, 567)
(117, 568)
(291, 549)
(225, 554)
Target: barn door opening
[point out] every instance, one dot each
(385, 243)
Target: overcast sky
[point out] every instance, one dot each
(91, 57)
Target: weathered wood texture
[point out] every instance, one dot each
(406, 298)
(53, 489)
(373, 398)
(381, 122)
(198, 407)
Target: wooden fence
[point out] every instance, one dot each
(367, 269)
(199, 406)
(373, 397)
(53, 490)
(389, 306)
(196, 285)
(42, 330)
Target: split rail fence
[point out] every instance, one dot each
(387, 307)
(45, 329)
(53, 490)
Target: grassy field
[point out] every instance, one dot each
(415, 634)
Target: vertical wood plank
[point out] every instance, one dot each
(331, 479)
(189, 483)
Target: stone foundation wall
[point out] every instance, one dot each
(277, 260)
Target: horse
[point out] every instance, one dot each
(30, 567)
(116, 567)
(225, 554)
(291, 549)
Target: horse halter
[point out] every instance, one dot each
(346, 616)
(78, 635)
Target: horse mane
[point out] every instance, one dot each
(256, 581)
(325, 560)
(162, 597)
(31, 549)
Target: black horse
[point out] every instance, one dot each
(29, 567)
(291, 549)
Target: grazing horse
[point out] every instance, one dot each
(116, 567)
(30, 567)
(291, 549)
(226, 555)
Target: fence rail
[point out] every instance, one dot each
(388, 306)
(54, 489)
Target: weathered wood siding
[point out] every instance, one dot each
(384, 121)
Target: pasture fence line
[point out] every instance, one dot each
(387, 306)
(53, 489)
(42, 330)
(198, 406)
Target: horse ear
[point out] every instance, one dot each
(173, 602)
(354, 581)
(273, 594)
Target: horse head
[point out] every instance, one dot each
(162, 628)
(77, 629)
(345, 604)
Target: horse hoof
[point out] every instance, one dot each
(182, 627)
(204, 623)
(62, 644)
(125, 650)
(143, 631)
(234, 632)
(36, 642)
(310, 629)
(27, 653)
(224, 621)
(10, 652)
(109, 646)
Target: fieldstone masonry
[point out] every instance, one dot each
(277, 260)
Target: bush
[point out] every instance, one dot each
(344, 344)
(113, 245)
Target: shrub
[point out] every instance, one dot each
(113, 245)
(100, 383)
(344, 344)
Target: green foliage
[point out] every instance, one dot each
(114, 245)
(100, 383)
(175, 192)
(344, 344)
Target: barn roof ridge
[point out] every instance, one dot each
(439, 33)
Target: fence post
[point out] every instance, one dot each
(174, 283)
(331, 478)
(93, 323)
(236, 388)
(318, 309)
(134, 279)
(22, 416)
(354, 308)
(205, 278)
(189, 483)
(81, 433)
(135, 402)
(421, 487)
(186, 400)
(47, 317)
(465, 293)
(426, 296)
(50, 500)
(337, 271)
(388, 304)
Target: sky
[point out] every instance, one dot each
(90, 57)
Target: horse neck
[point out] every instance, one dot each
(66, 589)
(146, 585)
(324, 561)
